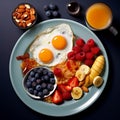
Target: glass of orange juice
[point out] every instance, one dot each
(99, 17)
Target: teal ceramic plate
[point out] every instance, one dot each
(69, 107)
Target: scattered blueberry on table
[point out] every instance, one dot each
(51, 10)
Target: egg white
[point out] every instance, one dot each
(44, 40)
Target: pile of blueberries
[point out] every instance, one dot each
(40, 82)
(51, 10)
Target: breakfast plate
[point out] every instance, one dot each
(68, 107)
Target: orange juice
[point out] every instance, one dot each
(99, 16)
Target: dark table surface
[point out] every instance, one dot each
(108, 104)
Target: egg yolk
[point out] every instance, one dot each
(46, 55)
(59, 42)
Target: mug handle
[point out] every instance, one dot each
(113, 30)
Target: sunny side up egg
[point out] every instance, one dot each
(52, 45)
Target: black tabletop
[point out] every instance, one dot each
(11, 107)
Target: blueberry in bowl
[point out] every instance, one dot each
(39, 82)
(24, 16)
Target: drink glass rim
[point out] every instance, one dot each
(97, 29)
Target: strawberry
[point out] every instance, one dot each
(80, 56)
(89, 55)
(71, 64)
(68, 88)
(71, 55)
(57, 97)
(80, 42)
(95, 50)
(73, 82)
(91, 43)
(86, 48)
(58, 72)
(65, 93)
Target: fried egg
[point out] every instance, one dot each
(52, 45)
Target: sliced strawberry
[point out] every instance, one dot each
(57, 97)
(73, 82)
(65, 93)
(71, 64)
(68, 88)
(58, 72)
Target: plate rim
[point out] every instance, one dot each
(49, 114)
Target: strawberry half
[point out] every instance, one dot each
(65, 93)
(73, 82)
(57, 97)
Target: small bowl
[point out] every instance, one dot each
(24, 16)
(39, 82)
(73, 8)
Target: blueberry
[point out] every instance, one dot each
(50, 87)
(32, 79)
(46, 78)
(43, 85)
(38, 87)
(48, 13)
(28, 84)
(36, 75)
(34, 84)
(55, 13)
(52, 80)
(45, 92)
(30, 90)
(52, 6)
(38, 81)
(32, 74)
(40, 71)
(42, 79)
(45, 72)
(40, 94)
(35, 92)
(46, 7)
(50, 74)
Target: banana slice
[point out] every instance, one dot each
(84, 69)
(97, 81)
(80, 76)
(76, 93)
